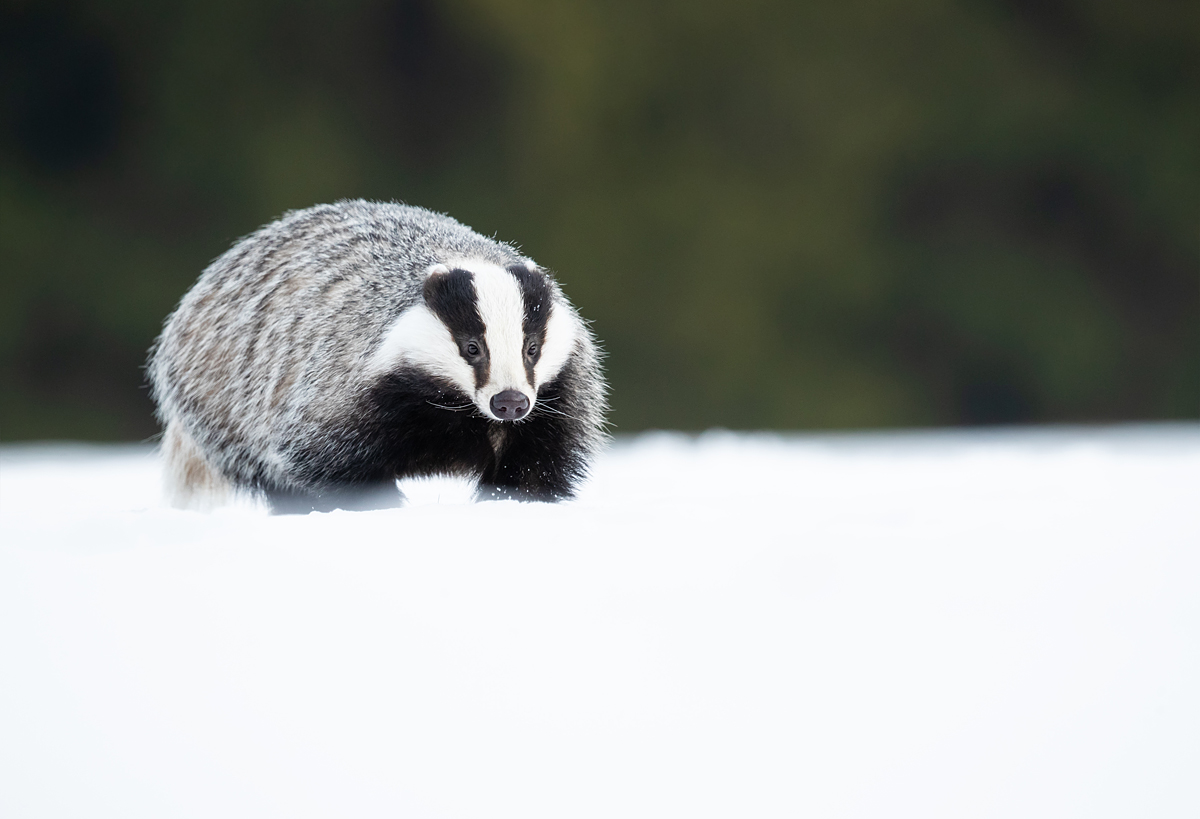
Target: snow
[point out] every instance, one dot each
(909, 624)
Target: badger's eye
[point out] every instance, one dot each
(472, 348)
(532, 351)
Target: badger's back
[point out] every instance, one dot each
(269, 353)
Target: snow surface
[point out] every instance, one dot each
(922, 624)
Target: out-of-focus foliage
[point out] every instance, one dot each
(777, 214)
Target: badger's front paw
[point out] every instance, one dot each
(493, 492)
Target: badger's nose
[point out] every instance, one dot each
(510, 405)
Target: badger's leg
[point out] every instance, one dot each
(533, 462)
(189, 480)
(492, 491)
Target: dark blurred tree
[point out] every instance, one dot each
(777, 214)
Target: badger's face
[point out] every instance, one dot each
(494, 333)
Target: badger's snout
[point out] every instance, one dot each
(510, 405)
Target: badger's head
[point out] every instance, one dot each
(495, 334)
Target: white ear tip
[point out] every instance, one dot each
(530, 266)
(438, 270)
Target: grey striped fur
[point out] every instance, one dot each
(268, 358)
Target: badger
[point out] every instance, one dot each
(346, 346)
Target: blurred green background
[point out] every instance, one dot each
(777, 214)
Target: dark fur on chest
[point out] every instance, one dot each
(411, 424)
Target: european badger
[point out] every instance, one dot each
(348, 345)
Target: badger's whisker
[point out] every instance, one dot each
(552, 411)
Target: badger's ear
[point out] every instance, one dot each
(435, 282)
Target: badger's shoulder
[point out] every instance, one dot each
(392, 237)
(384, 245)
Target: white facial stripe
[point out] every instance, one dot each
(562, 331)
(502, 309)
(419, 339)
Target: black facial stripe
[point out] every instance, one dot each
(535, 293)
(451, 297)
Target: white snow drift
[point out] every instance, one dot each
(936, 624)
